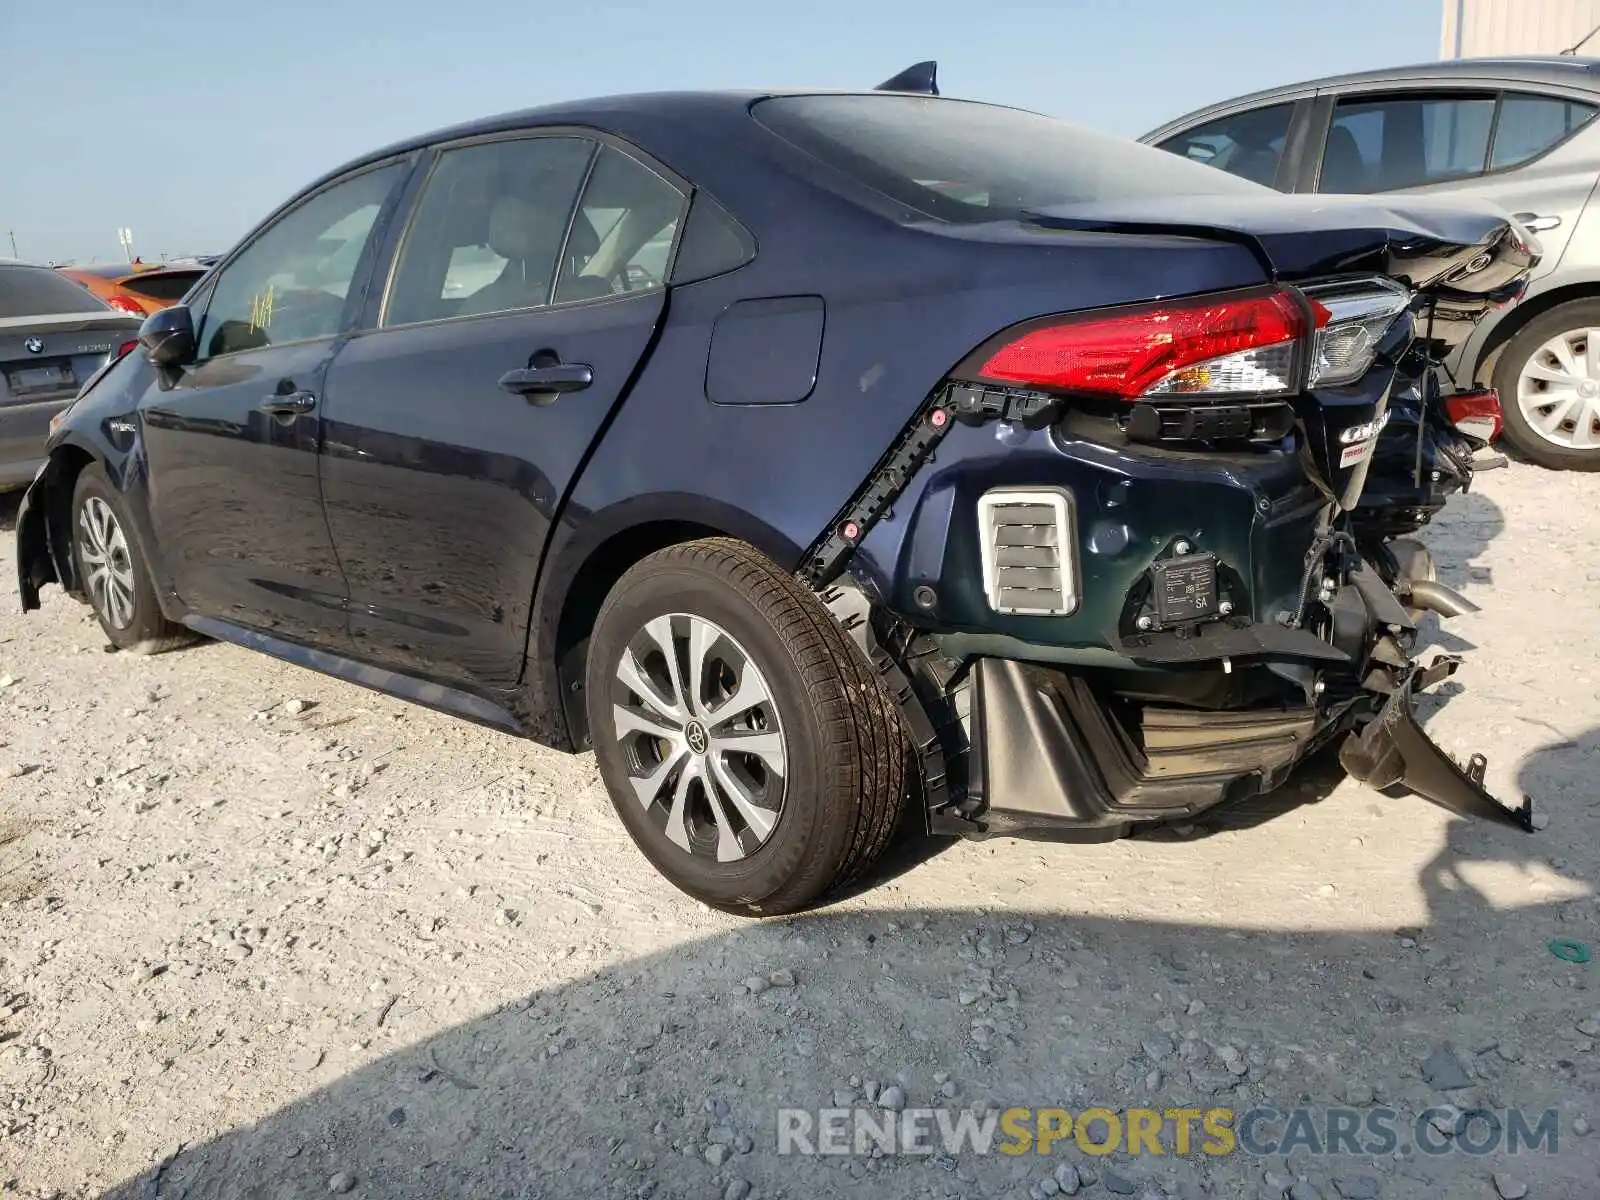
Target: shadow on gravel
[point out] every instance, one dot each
(9, 502)
(663, 1077)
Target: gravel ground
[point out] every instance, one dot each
(267, 934)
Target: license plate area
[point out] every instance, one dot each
(40, 378)
(1184, 590)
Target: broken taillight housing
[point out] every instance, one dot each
(1476, 413)
(1234, 344)
(1353, 316)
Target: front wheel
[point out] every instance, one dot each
(1548, 377)
(112, 571)
(746, 744)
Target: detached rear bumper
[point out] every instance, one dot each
(1393, 750)
(1051, 757)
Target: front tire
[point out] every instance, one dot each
(112, 570)
(746, 744)
(1548, 377)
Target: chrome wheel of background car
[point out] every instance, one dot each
(700, 733)
(1559, 390)
(107, 566)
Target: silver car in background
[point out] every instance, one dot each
(54, 334)
(1517, 131)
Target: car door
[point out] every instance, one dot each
(526, 290)
(231, 440)
(1506, 146)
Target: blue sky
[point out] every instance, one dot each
(188, 121)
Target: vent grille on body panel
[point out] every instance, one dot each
(1028, 552)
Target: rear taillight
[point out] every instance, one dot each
(1240, 343)
(125, 304)
(126, 349)
(1352, 317)
(1475, 413)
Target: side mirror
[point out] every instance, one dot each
(167, 336)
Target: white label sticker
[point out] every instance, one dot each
(1351, 455)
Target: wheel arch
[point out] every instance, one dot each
(1524, 314)
(581, 572)
(66, 462)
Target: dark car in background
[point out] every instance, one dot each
(809, 456)
(54, 335)
(1516, 131)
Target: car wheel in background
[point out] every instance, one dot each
(111, 569)
(746, 743)
(1548, 378)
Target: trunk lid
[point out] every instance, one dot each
(47, 357)
(1466, 254)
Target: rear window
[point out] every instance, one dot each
(35, 291)
(163, 285)
(960, 161)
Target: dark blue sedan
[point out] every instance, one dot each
(809, 456)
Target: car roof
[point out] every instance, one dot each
(1560, 70)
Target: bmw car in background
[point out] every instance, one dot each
(54, 335)
(1516, 131)
(138, 288)
(808, 456)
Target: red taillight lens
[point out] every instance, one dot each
(126, 349)
(1241, 343)
(1476, 413)
(125, 304)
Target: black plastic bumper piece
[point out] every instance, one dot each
(1393, 750)
(1055, 760)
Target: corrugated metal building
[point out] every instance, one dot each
(1479, 28)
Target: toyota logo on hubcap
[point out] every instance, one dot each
(34, 345)
(695, 734)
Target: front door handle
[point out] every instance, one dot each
(288, 404)
(1537, 223)
(541, 385)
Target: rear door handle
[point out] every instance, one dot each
(1537, 223)
(288, 404)
(542, 385)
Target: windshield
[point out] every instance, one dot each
(37, 291)
(960, 161)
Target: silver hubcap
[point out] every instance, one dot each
(107, 566)
(1559, 390)
(701, 736)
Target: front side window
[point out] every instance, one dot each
(290, 283)
(488, 232)
(961, 161)
(621, 238)
(1247, 144)
(1405, 141)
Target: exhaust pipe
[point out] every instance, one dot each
(1434, 596)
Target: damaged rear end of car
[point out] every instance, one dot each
(1118, 568)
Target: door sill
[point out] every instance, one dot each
(449, 700)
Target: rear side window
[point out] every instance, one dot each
(1397, 142)
(1530, 125)
(621, 238)
(960, 161)
(1247, 144)
(488, 231)
(36, 291)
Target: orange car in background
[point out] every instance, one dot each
(137, 287)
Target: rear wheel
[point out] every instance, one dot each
(746, 744)
(1548, 378)
(111, 568)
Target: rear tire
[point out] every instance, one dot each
(1540, 344)
(763, 765)
(110, 565)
